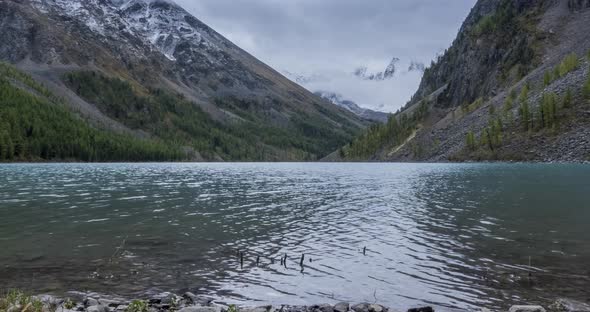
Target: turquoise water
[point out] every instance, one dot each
(450, 235)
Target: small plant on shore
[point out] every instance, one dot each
(137, 306)
(69, 304)
(232, 308)
(15, 299)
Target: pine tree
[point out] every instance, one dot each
(568, 99)
(547, 79)
(524, 111)
(470, 141)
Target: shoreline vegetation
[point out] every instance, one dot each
(19, 301)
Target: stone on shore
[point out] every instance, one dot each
(200, 309)
(376, 308)
(98, 308)
(526, 308)
(422, 309)
(361, 307)
(568, 305)
(88, 302)
(342, 307)
(257, 309)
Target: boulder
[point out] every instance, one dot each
(376, 308)
(89, 301)
(361, 307)
(526, 308)
(190, 297)
(325, 308)
(98, 308)
(568, 305)
(110, 302)
(342, 307)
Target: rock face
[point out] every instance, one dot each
(388, 73)
(157, 44)
(502, 47)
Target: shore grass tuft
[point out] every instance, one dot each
(137, 306)
(16, 300)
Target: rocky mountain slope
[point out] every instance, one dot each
(364, 113)
(513, 86)
(124, 66)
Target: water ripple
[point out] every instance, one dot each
(454, 236)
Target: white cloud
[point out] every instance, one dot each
(333, 37)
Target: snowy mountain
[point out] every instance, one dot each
(388, 73)
(365, 113)
(385, 90)
(157, 45)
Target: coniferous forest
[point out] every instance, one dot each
(33, 128)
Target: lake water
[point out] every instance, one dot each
(456, 236)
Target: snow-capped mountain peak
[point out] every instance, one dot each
(161, 24)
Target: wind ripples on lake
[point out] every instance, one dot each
(454, 236)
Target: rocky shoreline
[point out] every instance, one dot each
(189, 302)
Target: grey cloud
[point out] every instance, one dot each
(333, 37)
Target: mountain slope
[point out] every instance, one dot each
(364, 113)
(512, 86)
(167, 76)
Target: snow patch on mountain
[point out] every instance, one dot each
(160, 24)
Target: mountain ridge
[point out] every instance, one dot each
(157, 45)
(365, 113)
(513, 86)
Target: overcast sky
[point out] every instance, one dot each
(329, 39)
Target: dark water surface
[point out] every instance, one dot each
(454, 236)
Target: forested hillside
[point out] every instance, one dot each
(36, 126)
(150, 73)
(514, 85)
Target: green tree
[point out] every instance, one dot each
(568, 99)
(547, 78)
(470, 141)
(524, 110)
(569, 63)
(548, 110)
